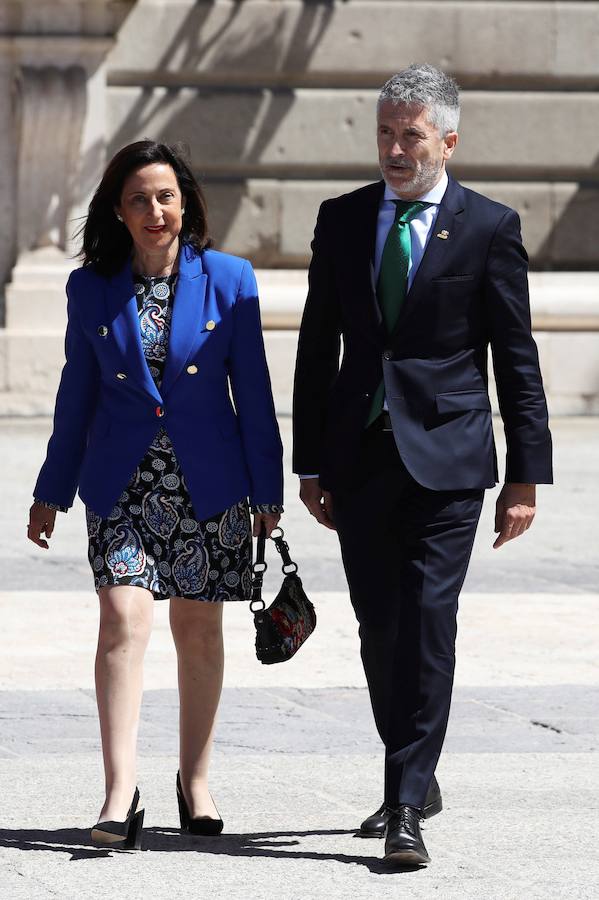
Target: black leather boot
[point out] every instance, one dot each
(375, 825)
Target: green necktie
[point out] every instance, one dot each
(393, 278)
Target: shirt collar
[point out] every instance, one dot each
(435, 195)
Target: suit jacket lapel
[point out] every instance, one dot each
(364, 230)
(122, 309)
(448, 221)
(187, 316)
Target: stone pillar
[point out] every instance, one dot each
(8, 207)
(52, 150)
(50, 110)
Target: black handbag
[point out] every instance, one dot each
(290, 619)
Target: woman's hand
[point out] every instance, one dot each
(269, 520)
(41, 519)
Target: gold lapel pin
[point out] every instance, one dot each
(443, 234)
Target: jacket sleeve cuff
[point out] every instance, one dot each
(268, 508)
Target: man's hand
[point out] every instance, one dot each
(318, 502)
(514, 512)
(41, 519)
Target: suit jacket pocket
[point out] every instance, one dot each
(461, 401)
(451, 279)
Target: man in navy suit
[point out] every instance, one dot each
(394, 446)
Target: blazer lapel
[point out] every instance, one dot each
(188, 304)
(448, 223)
(363, 234)
(122, 309)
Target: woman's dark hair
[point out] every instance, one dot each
(106, 242)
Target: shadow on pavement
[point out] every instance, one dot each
(167, 840)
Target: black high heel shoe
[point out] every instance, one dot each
(121, 835)
(203, 825)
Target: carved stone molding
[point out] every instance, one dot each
(51, 17)
(61, 50)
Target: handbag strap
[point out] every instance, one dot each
(283, 550)
(260, 566)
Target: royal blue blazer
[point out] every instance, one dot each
(215, 400)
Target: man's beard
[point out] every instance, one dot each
(424, 177)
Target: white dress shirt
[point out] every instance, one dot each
(420, 232)
(420, 226)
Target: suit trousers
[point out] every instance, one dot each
(405, 550)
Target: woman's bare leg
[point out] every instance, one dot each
(125, 624)
(197, 631)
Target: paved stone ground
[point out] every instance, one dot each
(297, 762)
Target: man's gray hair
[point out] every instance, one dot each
(426, 86)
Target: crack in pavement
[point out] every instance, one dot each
(548, 726)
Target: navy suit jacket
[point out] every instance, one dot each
(104, 422)
(470, 292)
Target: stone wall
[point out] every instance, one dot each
(276, 101)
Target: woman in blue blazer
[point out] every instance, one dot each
(165, 423)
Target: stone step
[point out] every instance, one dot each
(560, 301)
(272, 221)
(321, 132)
(361, 42)
(30, 361)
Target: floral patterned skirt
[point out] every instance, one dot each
(151, 538)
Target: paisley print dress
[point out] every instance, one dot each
(152, 538)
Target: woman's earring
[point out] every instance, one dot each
(119, 217)
(182, 212)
